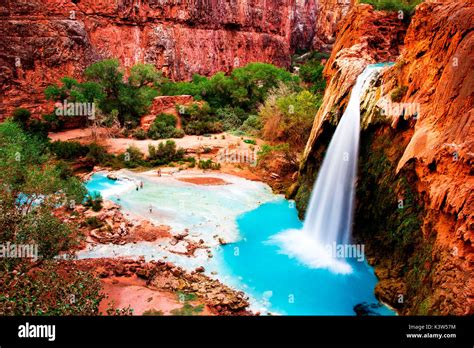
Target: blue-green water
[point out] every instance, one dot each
(292, 288)
(277, 283)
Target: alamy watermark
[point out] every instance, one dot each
(12, 250)
(346, 251)
(401, 109)
(75, 109)
(237, 156)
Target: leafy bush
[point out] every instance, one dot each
(199, 120)
(245, 87)
(288, 116)
(139, 134)
(68, 150)
(231, 118)
(133, 157)
(407, 6)
(21, 116)
(252, 125)
(94, 222)
(49, 291)
(164, 126)
(53, 122)
(94, 201)
(164, 153)
(398, 93)
(105, 86)
(208, 164)
(97, 153)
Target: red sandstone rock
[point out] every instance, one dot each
(436, 66)
(364, 37)
(47, 39)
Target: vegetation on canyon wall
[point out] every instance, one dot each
(407, 6)
(388, 218)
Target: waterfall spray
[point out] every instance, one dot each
(328, 220)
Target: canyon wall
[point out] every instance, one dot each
(43, 40)
(415, 198)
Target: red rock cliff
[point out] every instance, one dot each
(44, 40)
(433, 68)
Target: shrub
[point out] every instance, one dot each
(208, 164)
(94, 201)
(53, 122)
(97, 153)
(398, 93)
(133, 157)
(68, 150)
(288, 116)
(164, 153)
(21, 116)
(64, 170)
(231, 118)
(164, 126)
(244, 88)
(94, 222)
(139, 134)
(394, 5)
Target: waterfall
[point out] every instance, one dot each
(328, 221)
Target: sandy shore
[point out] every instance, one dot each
(120, 145)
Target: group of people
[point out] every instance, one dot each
(139, 186)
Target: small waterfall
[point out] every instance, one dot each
(328, 221)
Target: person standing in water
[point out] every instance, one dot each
(151, 209)
(141, 184)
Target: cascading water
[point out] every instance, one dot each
(328, 221)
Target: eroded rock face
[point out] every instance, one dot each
(426, 99)
(365, 37)
(47, 39)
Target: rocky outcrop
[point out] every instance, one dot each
(365, 36)
(330, 13)
(167, 277)
(47, 39)
(415, 189)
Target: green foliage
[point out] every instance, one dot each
(94, 200)
(33, 127)
(407, 6)
(131, 99)
(133, 157)
(199, 120)
(398, 93)
(231, 118)
(31, 188)
(49, 291)
(209, 164)
(244, 88)
(139, 134)
(164, 126)
(21, 116)
(267, 150)
(144, 75)
(68, 150)
(289, 116)
(53, 122)
(164, 153)
(94, 222)
(252, 125)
